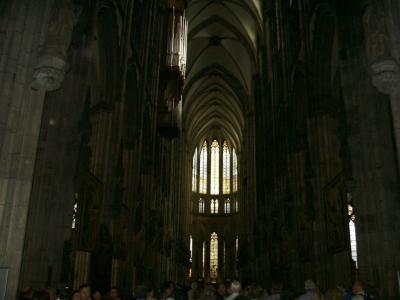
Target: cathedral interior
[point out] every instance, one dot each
(146, 140)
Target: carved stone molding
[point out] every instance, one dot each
(377, 41)
(385, 71)
(49, 72)
(106, 4)
(52, 63)
(386, 76)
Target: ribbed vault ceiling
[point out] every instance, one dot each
(222, 58)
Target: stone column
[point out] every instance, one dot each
(385, 73)
(17, 162)
(227, 261)
(220, 257)
(207, 262)
(386, 78)
(52, 62)
(233, 272)
(81, 268)
(196, 259)
(23, 28)
(383, 67)
(116, 272)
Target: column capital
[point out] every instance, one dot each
(385, 75)
(384, 69)
(49, 72)
(52, 62)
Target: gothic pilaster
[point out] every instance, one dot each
(22, 25)
(385, 74)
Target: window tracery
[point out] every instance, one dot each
(214, 206)
(226, 177)
(215, 173)
(228, 206)
(234, 171)
(201, 206)
(194, 172)
(214, 168)
(203, 169)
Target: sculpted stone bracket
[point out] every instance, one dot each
(385, 70)
(383, 61)
(52, 62)
(386, 75)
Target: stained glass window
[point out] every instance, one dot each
(201, 206)
(214, 257)
(214, 206)
(215, 168)
(203, 169)
(227, 206)
(226, 179)
(352, 230)
(194, 172)
(234, 171)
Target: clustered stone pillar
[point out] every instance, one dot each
(23, 28)
(385, 73)
(207, 261)
(197, 259)
(221, 257)
(52, 63)
(81, 268)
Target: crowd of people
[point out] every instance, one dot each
(204, 291)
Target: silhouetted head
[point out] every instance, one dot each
(84, 291)
(114, 293)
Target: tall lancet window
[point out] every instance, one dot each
(226, 180)
(203, 260)
(214, 206)
(352, 230)
(194, 172)
(201, 206)
(75, 211)
(234, 171)
(214, 257)
(215, 168)
(228, 206)
(203, 169)
(191, 254)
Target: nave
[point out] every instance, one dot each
(254, 142)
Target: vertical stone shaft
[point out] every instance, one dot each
(23, 29)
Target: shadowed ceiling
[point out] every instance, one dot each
(222, 58)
